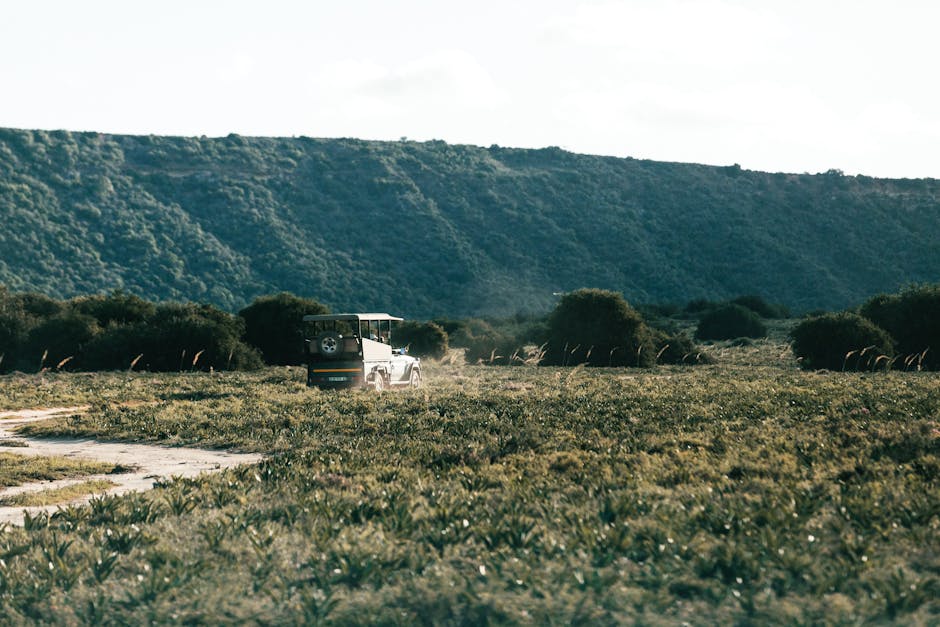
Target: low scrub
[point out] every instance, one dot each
(912, 317)
(423, 339)
(598, 328)
(274, 325)
(730, 321)
(841, 341)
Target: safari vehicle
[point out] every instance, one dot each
(355, 350)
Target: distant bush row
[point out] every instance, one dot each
(121, 331)
(900, 331)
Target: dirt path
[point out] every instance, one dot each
(149, 461)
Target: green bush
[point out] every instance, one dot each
(423, 339)
(111, 332)
(840, 341)
(677, 348)
(599, 328)
(177, 333)
(176, 337)
(15, 325)
(913, 320)
(761, 307)
(55, 339)
(483, 342)
(38, 305)
(730, 321)
(116, 308)
(274, 325)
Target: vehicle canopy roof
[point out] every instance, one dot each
(357, 317)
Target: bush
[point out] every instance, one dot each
(15, 325)
(696, 308)
(913, 320)
(38, 305)
(677, 348)
(730, 321)
(176, 337)
(423, 339)
(840, 341)
(58, 338)
(116, 308)
(599, 328)
(761, 307)
(483, 342)
(177, 333)
(274, 325)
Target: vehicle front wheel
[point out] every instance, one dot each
(415, 379)
(378, 381)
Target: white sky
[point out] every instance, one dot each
(793, 86)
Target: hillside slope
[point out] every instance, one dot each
(430, 228)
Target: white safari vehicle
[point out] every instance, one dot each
(355, 350)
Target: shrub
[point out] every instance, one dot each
(677, 348)
(840, 341)
(178, 332)
(599, 328)
(761, 307)
(15, 325)
(483, 342)
(274, 325)
(58, 338)
(38, 305)
(116, 308)
(423, 339)
(730, 321)
(698, 307)
(913, 320)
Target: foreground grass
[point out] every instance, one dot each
(18, 469)
(720, 494)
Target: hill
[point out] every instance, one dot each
(435, 229)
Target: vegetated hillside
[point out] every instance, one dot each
(433, 229)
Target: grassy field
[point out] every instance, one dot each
(744, 492)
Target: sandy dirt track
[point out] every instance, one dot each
(149, 462)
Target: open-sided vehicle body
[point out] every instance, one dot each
(354, 350)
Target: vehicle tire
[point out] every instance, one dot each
(415, 378)
(330, 344)
(378, 381)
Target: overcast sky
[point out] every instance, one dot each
(792, 86)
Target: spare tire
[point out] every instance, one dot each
(330, 344)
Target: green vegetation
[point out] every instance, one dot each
(118, 332)
(423, 339)
(441, 230)
(274, 325)
(729, 321)
(842, 341)
(721, 494)
(18, 469)
(597, 328)
(905, 325)
(57, 495)
(913, 320)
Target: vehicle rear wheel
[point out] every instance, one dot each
(330, 344)
(415, 379)
(378, 381)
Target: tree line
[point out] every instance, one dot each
(594, 327)
(121, 331)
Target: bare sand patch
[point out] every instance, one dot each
(147, 461)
